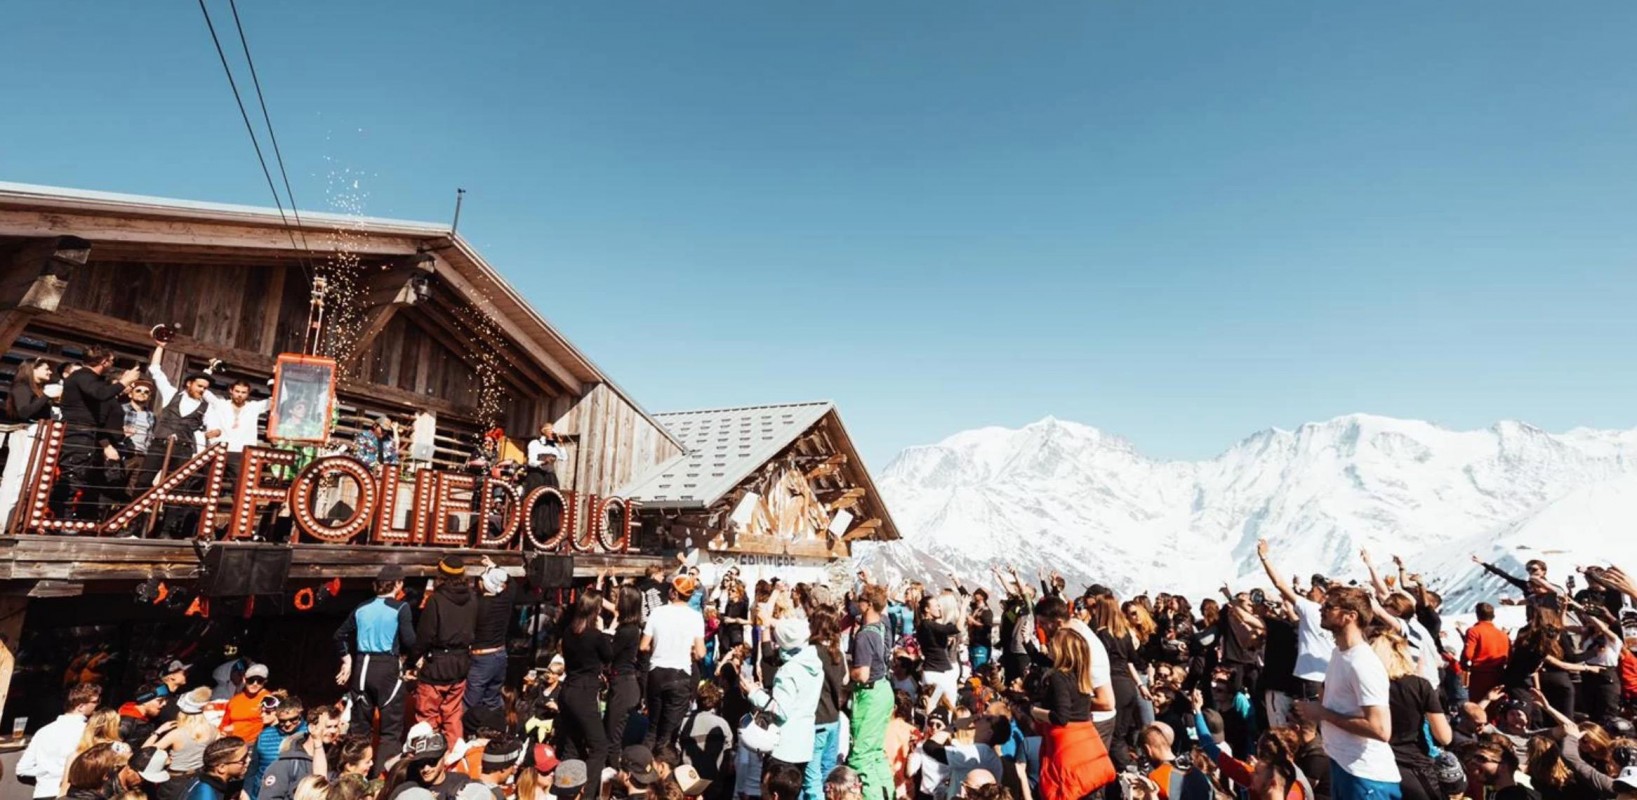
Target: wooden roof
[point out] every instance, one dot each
(216, 233)
(725, 447)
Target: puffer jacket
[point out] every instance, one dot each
(445, 633)
(794, 704)
(279, 782)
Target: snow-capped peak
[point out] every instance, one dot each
(1059, 495)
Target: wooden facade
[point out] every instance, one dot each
(425, 311)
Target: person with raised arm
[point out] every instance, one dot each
(1313, 645)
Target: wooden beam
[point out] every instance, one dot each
(862, 530)
(188, 234)
(34, 281)
(387, 292)
(473, 295)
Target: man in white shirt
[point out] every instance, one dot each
(235, 416)
(46, 758)
(674, 638)
(1353, 716)
(1313, 644)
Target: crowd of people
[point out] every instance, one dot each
(663, 686)
(126, 427)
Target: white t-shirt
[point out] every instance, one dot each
(1357, 679)
(1422, 648)
(1313, 644)
(1100, 675)
(674, 627)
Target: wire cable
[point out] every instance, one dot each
(278, 156)
(249, 128)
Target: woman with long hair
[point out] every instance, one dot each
(586, 653)
(825, 635)
(90, 773)
(937, 635)
(624, 691)
(1415, 707)
(1074, 761)
(1272, 775)
(534, 777)
(1120, 641)
(1539, 648)
(27, 401)
(186, 740)
(102, 727)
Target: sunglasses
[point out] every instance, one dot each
(289, 721)
(255, 680)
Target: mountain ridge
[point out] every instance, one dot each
(1057, 494)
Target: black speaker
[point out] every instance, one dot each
(240, 570)
(548, 571)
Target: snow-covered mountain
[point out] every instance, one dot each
(1062, 496)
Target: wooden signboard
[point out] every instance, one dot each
(303, 405)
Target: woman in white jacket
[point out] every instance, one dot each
(795, 695)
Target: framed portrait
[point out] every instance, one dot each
(303, 405)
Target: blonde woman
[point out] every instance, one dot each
(312, 787)
(187, 737)
(101, 728)
(1121, 643)
(1414, 704)
(1073, 760)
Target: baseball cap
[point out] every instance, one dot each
(544, 757)
(688, 779)
(638, 762)
(415, 793)
(1628, 777)
(476, 791)
(426, 747)
(569, 778)
(256, 671)
(500, 754)
(175, 666)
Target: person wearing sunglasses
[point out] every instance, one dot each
(1353, 715)
(281, 716)
(243, 716)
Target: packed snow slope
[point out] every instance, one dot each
(1062, 496)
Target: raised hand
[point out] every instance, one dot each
(1262, 548)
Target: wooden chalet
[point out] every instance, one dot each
(430, 327)
(771, 489)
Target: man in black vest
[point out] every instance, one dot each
(178, 423)
(88, 398)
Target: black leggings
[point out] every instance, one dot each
(580, 730)
(1127, 711)
(623, 695)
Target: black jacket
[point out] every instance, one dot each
(86, 403)
(444, 635)
(23, 405)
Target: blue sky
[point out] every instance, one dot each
(1179, 222)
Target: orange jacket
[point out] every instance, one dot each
(1073, 761)
(243, 716)
(1486, 648)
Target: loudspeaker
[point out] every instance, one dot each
(547, 571)
(240, 570)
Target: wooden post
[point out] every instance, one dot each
(38, 275)
(11, 632)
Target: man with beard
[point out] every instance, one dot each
(443, 642)
(88, 402)
(304, 754)
(1353, 715)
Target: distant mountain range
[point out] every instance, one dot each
(1063, 496)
